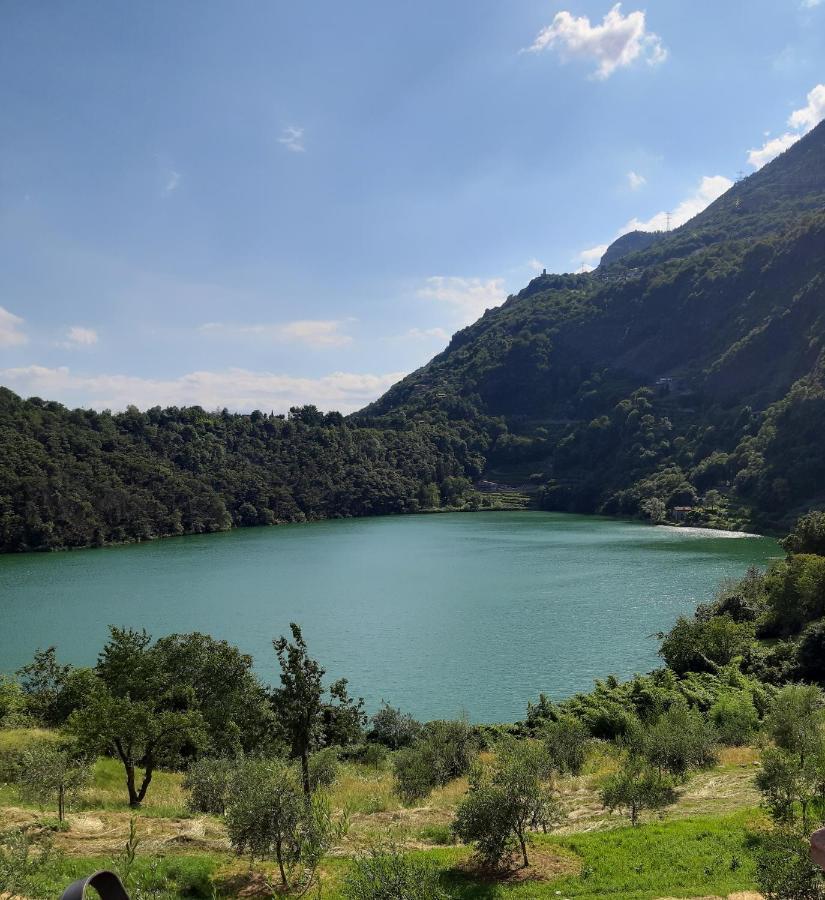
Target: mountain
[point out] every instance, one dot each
(688, 362)
(688, 370)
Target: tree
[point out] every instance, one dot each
(137, 711)
(443, 751)
(810, 653)
(795, 721)
(269, 817)
(299, 701)
(207, 782)
(679, 740)
(734, 717)
(567, 742)
(390, 874)
(393, 728)
(637, 786)
(704, 645)
(784, 870)
(503, 804)
(808, 535)
(43, 680)
(142, 734)
(53, 773)
(654, 509)
(788, 784)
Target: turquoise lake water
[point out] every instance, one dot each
(439, 614)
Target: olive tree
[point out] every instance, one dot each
(207, 783)
(635, 787)
(268, 816)
(567, 742)
(505, 803)
(389, 874)
(53, 773)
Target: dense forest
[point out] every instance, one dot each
(689, 363)
(687, 370)
(80, 478)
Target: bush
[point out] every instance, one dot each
(784, 870)
(444, 751)
(567, 742)
(680, 740)
(810, 654)
(504, 804)
(414, 776)
(392, 728)
(323, 768)
(735, 718)
(372, 755)
(207, 783)
(391, 875)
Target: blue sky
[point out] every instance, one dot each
(256, 204)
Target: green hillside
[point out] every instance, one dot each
(688, 362)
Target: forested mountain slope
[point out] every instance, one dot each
(689, 365)
(74, 478)
(687, 362)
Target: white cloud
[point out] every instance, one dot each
(78, 336)
(801, 121)
(535, 265)
(810, 4)
(590, 258)
(636, 181)
(468, 297)
(172, 182)
(292, 138)
(615, 44)
(311, 332)
(429, 334)
(11, 333)
(235, 389)
(710, 188)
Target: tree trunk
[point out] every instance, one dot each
(61, 803)
(134, 799)
(147, 778)
(305, 772)
(523, 850)
(634, 814)
(280, 858)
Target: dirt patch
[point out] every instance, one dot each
(545, 865)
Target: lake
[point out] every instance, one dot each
(438, 614)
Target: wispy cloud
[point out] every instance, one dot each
(467, 297)
(428, 334)
(590, 258)
(617, 43)
(810, 4)
(636, 181)
(235, 389)
(172, 182)
(78, 336)
(292, 137)
(11, 329)
(710, 188)
(310, 332)
(535, 265)
(800, 121)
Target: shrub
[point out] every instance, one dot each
(390, 874)
(567, 742)
(323, 768)
(784, 870)
(636, 787)
(392, 728)
(444, 751)
(735, 718)
(207, 783)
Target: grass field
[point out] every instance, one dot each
(701, 847)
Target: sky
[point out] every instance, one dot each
(255, 205)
